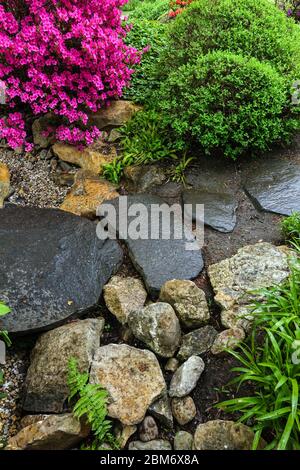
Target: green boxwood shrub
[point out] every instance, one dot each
(227, 103)
(255, 28)
(147, 9)
(149, 36)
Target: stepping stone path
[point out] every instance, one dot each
(219, 208)
(159, 260)
(53, 266)
(210, 182)
(273, 183)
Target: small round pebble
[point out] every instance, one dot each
(183, 409)
(148, 430)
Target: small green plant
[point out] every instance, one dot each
(4, 310)
(144, 141)
(2, 395)
(291, 229)
(274, 407)
(178, 172)
(91, 405)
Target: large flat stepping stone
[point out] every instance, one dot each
(273, 184)
(219, 208)
(158, 259)
(53, 266)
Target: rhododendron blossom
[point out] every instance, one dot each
(67, 57)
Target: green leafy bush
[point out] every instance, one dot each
(148, 9)
(150, 37)
(91, 405)
(227, 103)
(253, 28)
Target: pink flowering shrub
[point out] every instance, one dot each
(67, 57)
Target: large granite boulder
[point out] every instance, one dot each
(53, 266)
(46, 389)
(238, 280)
(132, 377)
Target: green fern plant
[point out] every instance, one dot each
(4, 310)
(91, 405)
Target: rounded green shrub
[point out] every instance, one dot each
(148, 37)
(254, 28)
(227, 103)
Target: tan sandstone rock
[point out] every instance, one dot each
(132, 377)
(115, 115)
(90, 158)
(87, 194)
(52, 432)
(4, 183)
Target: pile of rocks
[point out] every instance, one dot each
(177, 334)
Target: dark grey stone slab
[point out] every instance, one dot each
(219, 208)
(273, 184)
(52, 266)
(159, 260)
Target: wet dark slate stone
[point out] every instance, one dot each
(159, 260)
(52, 266)
(219, 208)
(273, 184)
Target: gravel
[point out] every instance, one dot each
(10, 410)
(31, 179)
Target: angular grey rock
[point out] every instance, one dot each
(273, 183)
(186, 377)
(123, 295)
(188, 301)
(46, 389)
(183, 441)
(237, 281)
(161, 253)
(53, 267)
(219, 208)
(140, 179)
(148, 430)
(158, 327)
(197, 342)
(223, 435)
(158, 444)
(132, 377)
(53, 432)
(161, 410)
